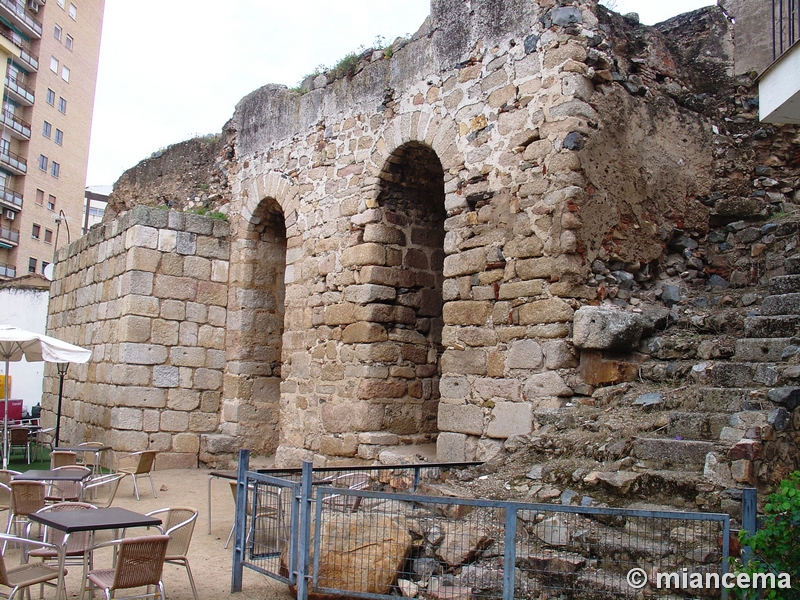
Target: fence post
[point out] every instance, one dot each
(305, 532)
(749, 519)
(510, 553)
(240, 517)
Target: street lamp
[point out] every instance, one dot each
(62, 371)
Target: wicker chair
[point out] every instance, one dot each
(91, 459)
(138, 463)
(139, 562)
(6, 475)
(62, 458)
(43, 440)
(179, 525)
(18, 437)
(101, 490)
(78, 542)
(26, 498)
(25, 575)
(67, 491)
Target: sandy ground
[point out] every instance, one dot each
(210, 561)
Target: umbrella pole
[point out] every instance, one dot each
(5, 419)
(62, 370)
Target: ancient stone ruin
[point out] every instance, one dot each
(500, 234)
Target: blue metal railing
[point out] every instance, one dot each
(785, 26)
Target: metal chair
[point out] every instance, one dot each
(139, 562)
(138, 463)
(62, 458)
(91, 459)
(26, 498)
(18, 438)
(67, 491)
(6, 475)
(26, 575)
(179, 525)
(101, 490)
(266, 526)
(350, 481)
(42, 439)
(77, 543)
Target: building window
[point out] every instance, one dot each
(55, 169)
(61, 3)
(5, 146)
(51, 202)
(31, 265)
(43, 162)
(48, 236)
(68, 42)
(57, 32)
(54, 64)
(73, 11)
(59, 136)
(44, 266)
(51, 97)
(40, 197)
(46, 128)
(62, 105)
(35, 231)
(65, 74)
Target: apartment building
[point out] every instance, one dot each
(46, 124)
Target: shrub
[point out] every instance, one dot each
(776, 545)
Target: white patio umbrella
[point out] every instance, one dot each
(16, 343)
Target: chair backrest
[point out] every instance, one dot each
(78, 540)
(89, 458)
(178, 525)
(140, 561)
(62, 458)
(6, 475)
(27, 496)
(68, 489)
(102, 490)
(18, 436)
(146, 461)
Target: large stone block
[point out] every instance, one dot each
(597, 368)
(351, 417)
(363, 332)
(364, 254)
(466, 312)
(173, 420)
(493, 388)
(521, 289)
(370, 389)
(553, 310)
(460, 418)
(524, 354)
(465, 263)
(470, 361)
(133, 328)
(176, 288)
(142, 354)
(451, 447)
(547, 384)
(366, 293)
(510, 418)
(600, 328)
(126, 418)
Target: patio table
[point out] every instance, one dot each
(72, 521)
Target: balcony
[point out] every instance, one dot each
(8, 271)
(27, 59)
(9, 237)
(13, 162)
(10, 199)
(18, 91)
(17, 127)
(779, 85)
(15, 13)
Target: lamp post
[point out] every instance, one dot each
(62, 371)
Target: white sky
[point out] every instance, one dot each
(173, 69)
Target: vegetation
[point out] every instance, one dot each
(213, 214)
(776, 545)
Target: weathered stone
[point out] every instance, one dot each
(554, 310)
(461, 418)
(510, 418)
(598, 368)
(542, 385)
(599, 328)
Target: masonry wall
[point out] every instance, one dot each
(148, 294)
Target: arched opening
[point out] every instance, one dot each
(255, 330)
(411, 197)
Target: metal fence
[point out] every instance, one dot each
(785, 25)
(364, 533)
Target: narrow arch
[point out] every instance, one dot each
(411, 198)
(256, 302)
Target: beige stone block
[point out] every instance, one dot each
(344, 445)
(142, 354)
(476, 336)
(138, 397)
(460, 418)
(171, 264)
(546, 384)
(372, 389)
(209, 402)
(174, 460)
(383, 234)
(556, 56)
(123, 374)
(128, 441)
(351, 417)
(174, 310)
(126, 418)
(147, 306)
(142, 237)
(160, 442)
(553, 310)
(183, 356)
(176, 288)
(209, 247)
(217, 316)
(151, 420)
(364, 332)
(563, 161)
(538, 150)
(379, 438)
(186, 443)
(558, 355)
(470, 361)
(197, 267)
(142, 259)
(203, 422)
(363, 254)
(165, 332)
(219, 271)
(172, 420)
(510, 418)
(491, 388)
(133, 328)
(211, 337)
(339, 314)
(502, 96)
(196, 312)
(524, 354)
(207, 379)
(466, 312)
(465, 263)
(368, 292)
(167, 240)
(188, 333)
(451, 447)
(521, 289)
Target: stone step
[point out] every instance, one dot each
(781, 304)
(741, 374)
(761, 349)
(704, 426)
(668, 452)
(722, 399)
(793, 265)
(771, 327)
(784, 284)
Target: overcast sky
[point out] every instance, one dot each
(171, 70)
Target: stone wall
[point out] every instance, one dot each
(148, 293)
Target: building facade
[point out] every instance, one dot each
(46, 124)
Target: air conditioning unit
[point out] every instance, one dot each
(33, 5)
(9, 214)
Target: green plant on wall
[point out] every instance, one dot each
(776, 545)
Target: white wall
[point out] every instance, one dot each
(26, 309)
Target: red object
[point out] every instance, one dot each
(14, 410)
